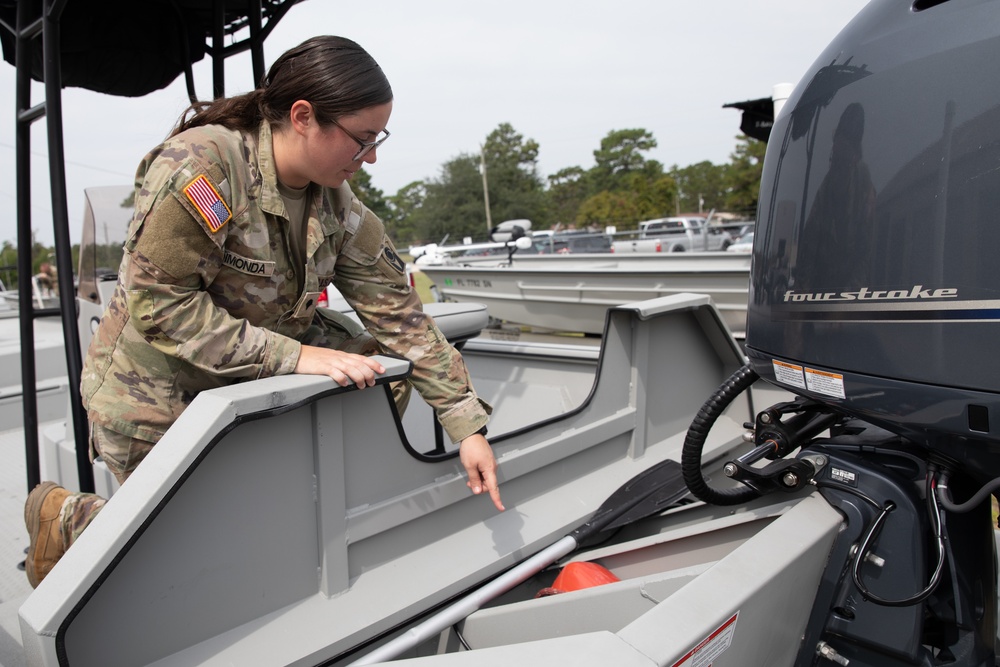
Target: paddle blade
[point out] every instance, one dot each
(649, 492)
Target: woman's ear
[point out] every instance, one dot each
(301, 116)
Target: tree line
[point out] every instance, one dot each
(622, 188)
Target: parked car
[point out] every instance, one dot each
(678, 234)
(573, 243)
(743, 244)
(738, 230)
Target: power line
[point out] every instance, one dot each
(83, 165)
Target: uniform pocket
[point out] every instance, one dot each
(365, 247)
(121, 453)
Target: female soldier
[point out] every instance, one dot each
(242, 218)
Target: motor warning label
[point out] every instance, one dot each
(820, 382)
(828, 384)
(711, 647)
(788, 374)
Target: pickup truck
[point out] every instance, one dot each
(675, 235)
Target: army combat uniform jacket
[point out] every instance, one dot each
(207, 294)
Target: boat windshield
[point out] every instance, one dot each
(106, 214)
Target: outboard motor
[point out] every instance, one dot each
(875, 299)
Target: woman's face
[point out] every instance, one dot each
(329, 150)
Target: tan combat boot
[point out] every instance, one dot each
(41, 516)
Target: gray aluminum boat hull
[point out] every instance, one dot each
(283, 521)
(574, 292)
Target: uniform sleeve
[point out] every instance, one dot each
(372, 278)
(172, 259)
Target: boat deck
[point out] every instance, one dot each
(14, 588)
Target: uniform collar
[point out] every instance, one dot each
(271, 202)
(270, 198)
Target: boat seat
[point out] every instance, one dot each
(458, 322)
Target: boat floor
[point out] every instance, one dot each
(14, 587)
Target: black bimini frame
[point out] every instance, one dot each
(118, 47)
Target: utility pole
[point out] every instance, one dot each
(486, 189)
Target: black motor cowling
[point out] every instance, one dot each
(875, 285)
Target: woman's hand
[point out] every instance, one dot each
(477, 457)
(344, 368)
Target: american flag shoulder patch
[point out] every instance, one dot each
(208, 202)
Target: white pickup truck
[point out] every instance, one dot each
(675, 235)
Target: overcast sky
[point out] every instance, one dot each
(562, 73)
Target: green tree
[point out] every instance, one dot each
(743, 177)
(621, 153)
(453, 204)
(515, 188)
(623, 186)
(8, 265)
(701, 186)
(568, 189)
(609, 208)
(655, 197)
(404, 211)
(8, 254)
(370, 196)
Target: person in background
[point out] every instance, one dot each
(48, 282)
(243, 217)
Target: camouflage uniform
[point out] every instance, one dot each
(204, 302)
(207, 294)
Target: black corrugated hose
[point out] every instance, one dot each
(694, 443)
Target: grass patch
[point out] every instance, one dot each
(421, 282)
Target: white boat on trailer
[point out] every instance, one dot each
(572, 292)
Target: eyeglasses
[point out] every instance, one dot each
(366, 147)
